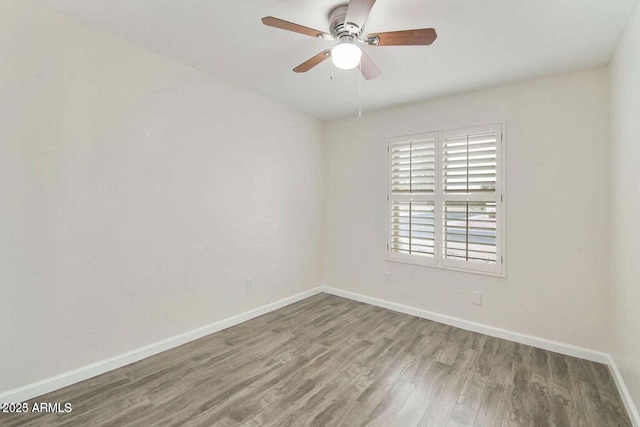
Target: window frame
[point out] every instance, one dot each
(439, 198)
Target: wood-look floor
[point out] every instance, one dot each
(331, 361)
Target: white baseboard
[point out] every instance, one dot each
(48, 385)
(555, 346)
(624, 393)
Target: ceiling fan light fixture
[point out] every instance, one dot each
(346, 56)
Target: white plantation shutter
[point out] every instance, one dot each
(412, 228)
(412, 165)
(445, 201)
(469, 163)
(470, 198)
(470, 231)
(412, 198)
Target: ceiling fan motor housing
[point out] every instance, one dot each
(341, 30)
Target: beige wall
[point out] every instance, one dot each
(136, 195)
(556, 213)
(625, 248)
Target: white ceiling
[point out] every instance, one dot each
(480, 43)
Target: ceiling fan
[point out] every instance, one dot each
(346, 26)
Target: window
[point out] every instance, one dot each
(445, 199)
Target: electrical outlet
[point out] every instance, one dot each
(477, 298)
(249, 283)
(387, 277)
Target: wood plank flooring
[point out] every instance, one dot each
(329, 361)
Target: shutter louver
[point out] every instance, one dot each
(413, 228)
(470, 231)
(469, 163)
(412, 166)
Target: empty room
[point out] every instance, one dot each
(320, 213)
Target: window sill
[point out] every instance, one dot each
(501, 275)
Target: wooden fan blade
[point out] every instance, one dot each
(425, 36)
(290, 26)
(358, 11)
(310, 63)
(368, 68)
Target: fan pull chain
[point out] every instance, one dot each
(331, 74)
(360, 90)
